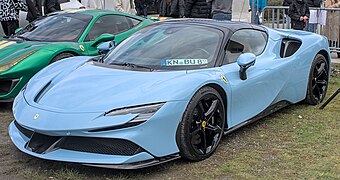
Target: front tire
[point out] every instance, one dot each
(201, 128)
(61, 56)
(317, 81)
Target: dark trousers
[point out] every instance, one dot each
(222, 16)
(9, 27)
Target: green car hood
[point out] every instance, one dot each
(13, 49)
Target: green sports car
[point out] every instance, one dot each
(57, 36)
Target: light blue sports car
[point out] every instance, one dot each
(170, 90)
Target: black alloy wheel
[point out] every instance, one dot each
(201, 128)
(318, 81)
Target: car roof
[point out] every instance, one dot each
(92, 12)
(222, 25)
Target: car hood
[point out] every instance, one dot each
(13, 49)
(92, 88)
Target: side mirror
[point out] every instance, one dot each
(102, 38)
(17, 30)
(106, 47)
(245, 61)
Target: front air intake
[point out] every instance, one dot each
(42, 144)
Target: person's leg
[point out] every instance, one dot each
(287, 21)
(221, 16)
(4, 27)
(12, 26)
(228, 17)
(145, 10)
(313, 27)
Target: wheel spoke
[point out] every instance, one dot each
(321, 82)
(323, 72)
(201, 110)
(204, 148)
(321, 68)
(314, 86)
(212, 109)
(316, 92)
(217, 129)
(195, 137)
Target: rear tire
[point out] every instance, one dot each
(201, 128)
(61, 56)
(317, 81)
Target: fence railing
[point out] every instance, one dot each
(327, 22)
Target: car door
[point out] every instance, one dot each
(118, 25)
(251, 96)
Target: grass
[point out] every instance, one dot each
(298, 142)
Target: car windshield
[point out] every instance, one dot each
(55, 28)
(169, 46)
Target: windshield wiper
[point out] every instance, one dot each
(132, 65)
(23, 38)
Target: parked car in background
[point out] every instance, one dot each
(64, 4)
(57, 36)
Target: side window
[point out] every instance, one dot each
(243, 41)
(112, 24)
(133, 22)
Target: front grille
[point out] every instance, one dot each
(42, 144)
(101, 146)
(7, 85)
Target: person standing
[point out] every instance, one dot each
(34, 9)
(9, 15)
(177, 8)
(311, 27)
(332, 28)
(299, 14)
(127, 6)
(197, 9)
(51, 6)
(259, 5)
(221, 9)
(141, 7)
(165, 8)
(287, 3)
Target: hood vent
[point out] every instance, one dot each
(42, 92)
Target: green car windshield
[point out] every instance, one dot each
(169, 46)
(63, 27)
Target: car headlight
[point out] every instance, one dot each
(144, 112)
(9, 64)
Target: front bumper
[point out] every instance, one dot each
(156, 137)
(20, 141)
(9, 88)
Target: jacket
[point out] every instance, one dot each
(165, 8)
(287, 2)
(296, 10)
(177, 8)
(314, 3)
(221, 6)
(9, 10)
(259, 4)
(51, 6)
(197, 9)
(34, 9)
(332, 4)
(127, 6)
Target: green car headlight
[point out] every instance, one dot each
(144, 112)
(9, 64)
